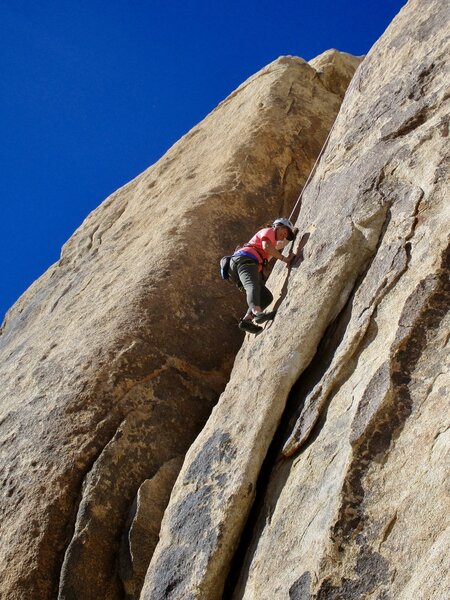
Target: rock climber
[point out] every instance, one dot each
(246, 270)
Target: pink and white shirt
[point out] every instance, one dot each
(254, 248)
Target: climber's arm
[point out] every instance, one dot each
(270, 249)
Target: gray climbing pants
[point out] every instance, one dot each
(244, 273)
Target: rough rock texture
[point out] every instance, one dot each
(142, 531)
(335, 418)
(111, 362)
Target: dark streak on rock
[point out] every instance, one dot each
(388, 392)
(401, 125)
(173, 561)
(300, 590)
(383, 411)
(215, 450)
(372, 570)
(191, 520)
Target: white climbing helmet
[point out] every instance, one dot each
(285, 223)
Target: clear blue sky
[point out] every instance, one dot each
(95, 91)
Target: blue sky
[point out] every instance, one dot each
(95, 91)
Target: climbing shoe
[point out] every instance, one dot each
(262, 317)
(249, 327)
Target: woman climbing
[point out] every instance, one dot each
(246, 270)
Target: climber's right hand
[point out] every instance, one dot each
(288, 259)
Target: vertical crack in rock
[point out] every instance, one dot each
(388, 263)
(141, 533)
(130, 456)
(274, 464)
(111, 486)
(391, 264)
(379, 419)
(72, 525)
(277, 466)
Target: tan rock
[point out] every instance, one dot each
(361, 341)
(142, 533)
(111, 362)
(336, 69)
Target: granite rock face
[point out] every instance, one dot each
(321, 473)
(142, 533)
(112, 361)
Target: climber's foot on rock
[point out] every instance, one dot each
(249, 327)
(262, 317)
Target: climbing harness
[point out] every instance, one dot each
(263, 262)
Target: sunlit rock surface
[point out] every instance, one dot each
(112, 361)
(334, 423)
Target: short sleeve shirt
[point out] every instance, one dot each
(254, 246)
